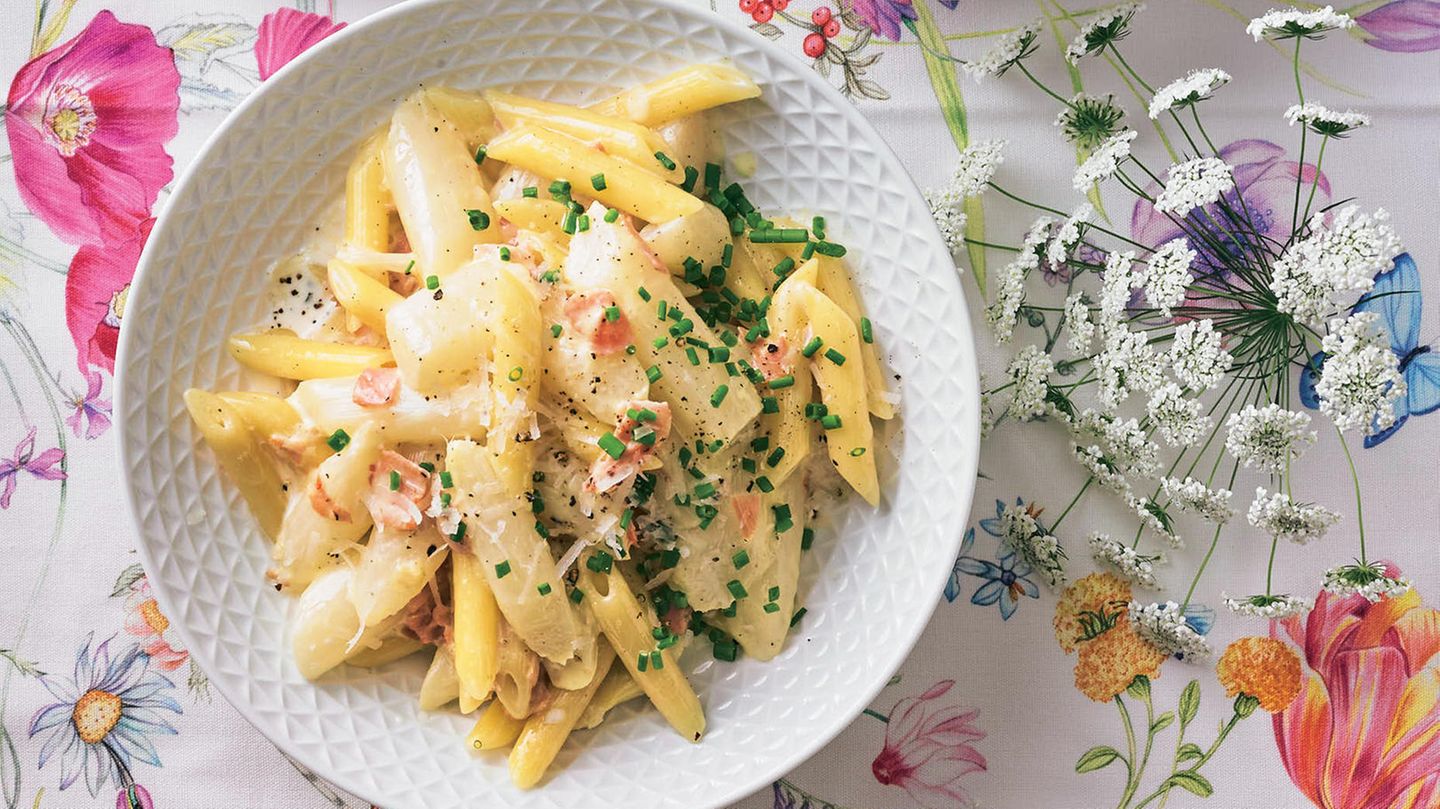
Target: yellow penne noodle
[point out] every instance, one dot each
(685, 92)
(468, 112)
(328, 514)
(477, 628)
(838, 286)
(441, 685)
(367, 201)
(531, 213)
(701, 235)
(281, 353)
(239, 450)
(789, 429)
(361, 295)
(392, 568)
(439, 343)
(395, 647)
(327, 631)
(691, 141)
(494, 729)
(517, 669)
(617, 689)
(329, 405)
(628, 187)
(266, 414)
(774, 563)
(617, 136)
(546, 732)
(515, 369)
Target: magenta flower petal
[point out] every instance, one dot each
(287, 33)
(96, 290)
(927, 748)
(883, 16)
(1404, 26)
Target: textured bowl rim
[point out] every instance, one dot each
(891, 656)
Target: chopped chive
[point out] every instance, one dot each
(817, 224)
(642, 661)
(611, 445)
(807, 251)
(731, 369)
(692, 356)
(691, 175)
(728, 338)
(774, 593)
(582, 222)
(830, 421)
(783, 523)
(779, 236)
(705, 490)
(444, 499)
(812, 346)
(807, 538)
(657, 661)
(544, 588)
(867, 332)
(773, 459)
(748, 464)
(712, 176)
(760, 444)
(645, 414)
(597, 182)
(561, 187)
(515, 374)
(612, 313)
(577, 595)
(479, 220)
(661, 310)
(670, 558)
(834, 356)
(781, 382)
(785, 266)
(830, 249)
(446, 481)
(740, 559)
(718, 395)
(763, 484)
(568, 223)
(600, 562)
(394, 481)
(630, 349)
(338, 440)
(857, 452)
(800, 613)
(410, 266)
(555, 330)
(727, 650)
(643, 293)
(576, 207)
(727, 255)
(530, 191)
(771, 607)
(769, 404)
(645, 436)
(503, 569)
(550, 276)
(752, 334)
(504, 254)
(665, 161)
(480, 155)
(736, 588)
(815, 410)
(432, 282)
(737, 226)
(611, 215)
(428, 467)
(660, 342)
(719, 354)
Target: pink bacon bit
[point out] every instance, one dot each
(677, 619)
(772, 357)
(747, 509)
(402, 507)
(588, 313)
(376, 387)
(324, 505)
(607, 472)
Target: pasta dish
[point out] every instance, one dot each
(556, 403)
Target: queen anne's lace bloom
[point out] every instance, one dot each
(1104, 161)
(948, 211)
(978, 164)
(1167, 275)
(1291, 22)
(1058, 251)
(1001, 313)
(1038, 548)
(1116, 281)
(1178, 419)
(1077, 324)
(1163, 626)
(1367, 580)
(1194, 497)
(1193, 184)
(1266, 437)
(1154, 516)
(1324, 121)
(1089, 120)
(1272, 607)
(1280, 517)
(1339, 256)
(1360, 380)
(1130, 449)
(1126, 363)
(1137, 569)
(1030, 374)
(1196, 355)
(1106, 473)
(1107, 26)
(1192, 89)
(1005, 53)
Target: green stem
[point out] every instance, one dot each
(1127, 66)
(1315, 183)
(876, 715)
(1359, 502)
(1132, 777)
(1200, 762)
(1214, 541)
(1295, 68)
(1073, 501)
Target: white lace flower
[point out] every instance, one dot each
(1116, 281)
(1179, 420)
(1279, 516)
(1007, 50)
(1001, 313)
(1077, 324)
(1302, 286)
(1167, 274)
(1131, 450)
(1163, 626)
(1107, 26)
(977, 166)
(1196, 355)
(1104, 470)
(1324, 121)
(948, 211)
(1104, 161)
(1089, 120)
(1137, 569)
(1193, 497)
(1157, 519)
(1268, 436)
(1029, 374)
(1126, 363)
(1290, 23)
(1371, 581)
(1272, 607)
(1020, 531)
(1360, 380)
(1058, 251)
(1355, 245)
(1192, 89)
(1193, 184)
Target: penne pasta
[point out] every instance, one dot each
(516, 672)
(700, 236)
(541, 738)
(468, 112)
(441, 685)
(367, 201)
(477, 630)
(494, 729)
(440, 342)
(540, 215)
(837, 285)
(615, 136)
(329, 405)
(360, 295)
(264, 413)
(395, 647)
(281, 353)
(617, 689)
(328, 515)
(685, 92)
(327, 630)
(761, 621)
(241, 454)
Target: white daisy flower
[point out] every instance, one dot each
(1194, 497)
(1023, 534)
(1272, 607)
(1193, 184)
(1104, 470)
(1192, 89)
(1001, 313)
(1290, 23)
(1368, 580)
(1179, 420)
(1167, 274)
(1005, 53)
(1277, 515)
(1324, 121)
(1030, 374)
(1267, 437)
(1196, 355)
(1104, 161)
(1077, 324)
(1157, 519)
(1058, 251)
(1137, 569)
(1107, 26)
(1116, 281)
(1163, 626)
(1360, 380)
(1126, 363)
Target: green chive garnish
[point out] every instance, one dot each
(769, 404)
(763, 484)
(560, 187)
(771, 607)
(740, 559)
(479, 220)
(544, 588)
(807, 538)
(736, 588)
(857, 452)
(459, 535)
(643, 293)
(808, 251)
(597, 182)
(394, 481)
(612, 446)
(515, 374)
(830, 421)
(642, 661)
(555, 330)
(830, 249)
(653, 374)
(781, 382)
(577, 595)
(783, 523)
(867, 332)
(504, 254)
(611, 215)
(818, 225)
(530, 191)
(612, 313)
(718, 395)
(503, 569)
(834, 356)
(338, 440)
(800, 613)
(446, 481)
(657, 661)
(727, 255)
(773, 459)
(712, 176)
(410, 266)
(480, 155)
(600, 562)
(812, 346)
(692, 356)
(432, 282)
(582, 222)
(691, 175)
(665, 161)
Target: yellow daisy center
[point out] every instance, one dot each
(96, 714)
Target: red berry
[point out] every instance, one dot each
(821, 15)
(814, 45)
(831, 28)
(748, 6)
(763, 12)
(780, 5)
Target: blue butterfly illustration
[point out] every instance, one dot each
(1396, 300)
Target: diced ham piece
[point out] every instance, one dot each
(295, 447)
(586, 312)
(324, 505)
(427, 620)
(772, 357)
(403, 283)
(399, 508)
(747, 509)
(376, 387)
(677, 619)
(607, 472)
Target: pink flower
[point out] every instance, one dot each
(1364, 731)
(884, 17)
(44, 466)
(87, 124)
(96, 290)
(92, 414)
(1406, 26)
(145, 621)
(287, 33)
(927, 749)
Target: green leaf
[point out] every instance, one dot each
(9, 769)
(767, 30)
(1096, 758)
(1188, 751)
(125, 582)
(1139, 687)
(1192, 782)
(27, 668)
(1162, 721)
(1189, 702)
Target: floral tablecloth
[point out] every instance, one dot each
(100, 704)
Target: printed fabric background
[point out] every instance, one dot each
(1018, 695)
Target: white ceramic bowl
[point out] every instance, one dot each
(251, 197)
